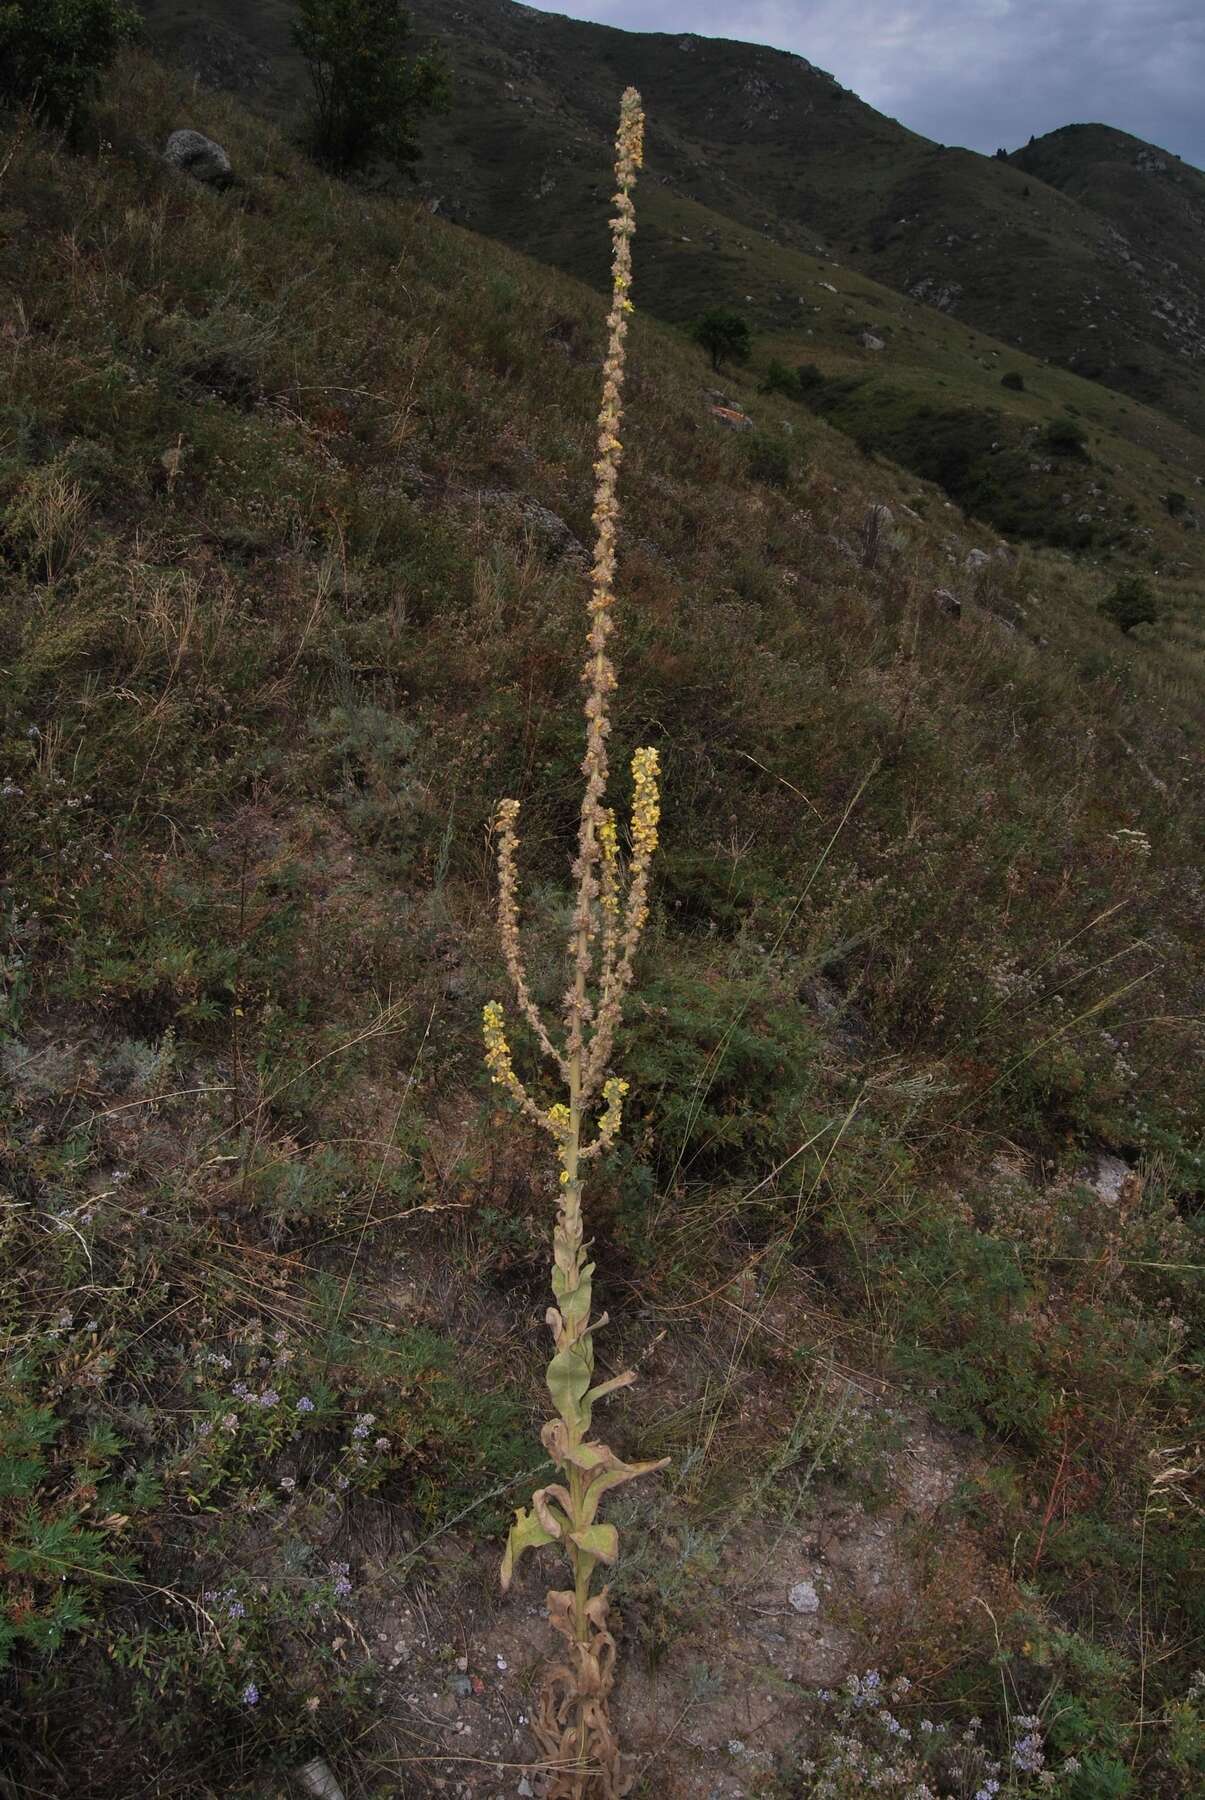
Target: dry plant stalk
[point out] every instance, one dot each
(572, 1723)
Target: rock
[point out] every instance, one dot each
(977, 559)
(948, 603)
(199, 157)
(731, 419)
(871, 342)
(547, 527)
(804, 1598)
(1110, 1179)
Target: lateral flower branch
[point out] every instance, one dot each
(572, 1724)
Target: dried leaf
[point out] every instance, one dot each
(552, 1524)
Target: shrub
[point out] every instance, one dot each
(778, 379)
(1066, 437)
(1176, 503)
(369, 95)
(769, 458)
(51, 51)
(724, 334)
(1130, 603)
(55, 1514)
(1014, 380)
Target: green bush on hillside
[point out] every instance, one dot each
(769, 458)
(369, 94)
(778, 379)
(1066, 437)
(1012, 379)
(1130, 603)
(1176, 503)
(51, 51)
(724, 334)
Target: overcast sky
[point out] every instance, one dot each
(975, 72)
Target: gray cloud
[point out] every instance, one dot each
(977, 72)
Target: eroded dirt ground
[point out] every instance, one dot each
(729, 1626)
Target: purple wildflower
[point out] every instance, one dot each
(250, 1694)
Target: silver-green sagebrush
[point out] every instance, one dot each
(572, 1723)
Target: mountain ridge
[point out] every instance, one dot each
(770, 140)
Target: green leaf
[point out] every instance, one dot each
(610, 1387)
(568, 1379)
(601, 1541)
(525, 1534)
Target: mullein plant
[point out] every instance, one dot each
(572, 1722)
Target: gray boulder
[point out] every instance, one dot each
(199, 157)
(977, 559)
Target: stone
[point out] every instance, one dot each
(731, 419)
(1109, 1178)
(871, 342)
(804, 1598)
(948, 603)
(977, 559)
(199, 157)
(547, 528)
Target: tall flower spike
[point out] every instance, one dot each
(646, 818)
(571, 1722)
(508, 928)
(598, 676)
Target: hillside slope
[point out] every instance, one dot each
(519, 156)
(904, 1231)
(769, 140)
(765, 139)
(1155, 204)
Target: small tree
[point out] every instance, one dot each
(1176, 503)
(1012, 378)
(1066, 436)
(369, 94)
(724, 334)
(1130, 603)
(51, 51)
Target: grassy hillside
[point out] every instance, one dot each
(753, 155)
(768, 140)
(290, 478)
(1156, 204)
